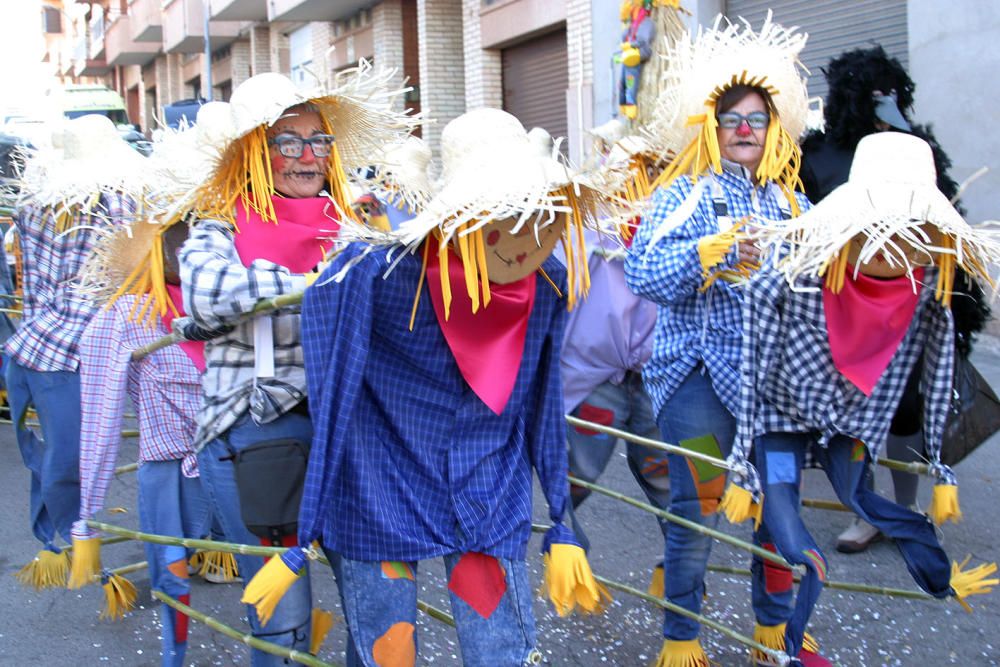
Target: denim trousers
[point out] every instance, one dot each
(490, 601)
(290, 624)
(779, 458)
(694, 418)
(175, 505)
(53, 459)
(625, 406)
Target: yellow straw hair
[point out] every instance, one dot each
(148, 282)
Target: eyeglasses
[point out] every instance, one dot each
(290, 145)
(731, 120)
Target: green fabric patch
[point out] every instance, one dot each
(704, 444)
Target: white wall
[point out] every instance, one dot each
(955, 63)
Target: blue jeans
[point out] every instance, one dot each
(175, 505)
(495, 629)
(55, 462)
(624, 406)
(290, 624)
(779, 458)
(694, 418)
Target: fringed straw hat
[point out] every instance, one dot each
(130, 260)
(356, 109)
(492, 170)
(91, 159)
(403, 172)
(892, 201)
(700, 70)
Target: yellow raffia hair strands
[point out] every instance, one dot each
(243, 174)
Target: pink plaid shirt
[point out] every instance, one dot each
(165, 387)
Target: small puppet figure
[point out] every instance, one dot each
(636, 47)
(433, 369)
(854, 293)
(68, 197)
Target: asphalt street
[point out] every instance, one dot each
(61, 628)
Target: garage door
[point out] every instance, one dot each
(834, 26)
(535, 79)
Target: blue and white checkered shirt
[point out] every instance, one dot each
(407, 462)
(55, 313)
(693, 327)
(790, 384)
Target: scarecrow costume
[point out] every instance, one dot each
(131, 274)
(67, 196)
(856, 292)
(253, 242)
(399, 188)
(685, 258)
(870, 91)
(435, 391)
(644, 24)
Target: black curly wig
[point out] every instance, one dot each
(853, 76)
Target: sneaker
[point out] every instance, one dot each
(858, 536)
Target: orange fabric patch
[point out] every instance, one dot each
(395, 569)
(655, 466)
(709, 492)
(396, 647)
(179, 568)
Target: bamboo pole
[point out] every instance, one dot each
(263, 306)
(207, 545)
(831, 505)
(128, 467)
(681, 521)
(245, 638)
(780, 656)
(124, 569)
(436, 613)
(127, 433)
(914, 467)
(648, 442)
(839, 585)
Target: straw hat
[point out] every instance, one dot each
(889, 199)
(494, 172)
(700, 69)
(91, 159)
(356, 109)
(403, 172)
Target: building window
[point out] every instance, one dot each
(300, 56)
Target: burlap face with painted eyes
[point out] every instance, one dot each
(513, 255)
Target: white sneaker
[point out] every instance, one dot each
(858, 536)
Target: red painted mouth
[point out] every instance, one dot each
(520, 258)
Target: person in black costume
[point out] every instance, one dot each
(869, 91)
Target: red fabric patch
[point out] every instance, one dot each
(777, 579)
(487, 345)
(592, 413)
(479, 581)
(181, 620)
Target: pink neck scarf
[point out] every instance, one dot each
(195, 350)
(297, 242)
(487, 345)
(866, 323)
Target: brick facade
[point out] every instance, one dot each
(322, 37)
(387, 25)
(483, 68)
(442, 70)
(260, 49)
(241, 57)
(280, 60)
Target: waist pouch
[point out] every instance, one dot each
(270, 477)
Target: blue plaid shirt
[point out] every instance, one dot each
(407, 462)
(693, 327)
(791, 385)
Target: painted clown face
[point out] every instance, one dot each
(513, 256)
(897, 249)
(305, 175)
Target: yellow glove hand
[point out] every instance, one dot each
(713, 249)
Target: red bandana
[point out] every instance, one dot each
(297, 242)
(195, 350)
(866, 322)
(487, 345)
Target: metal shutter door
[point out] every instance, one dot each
(535, 79)
(834, 26)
